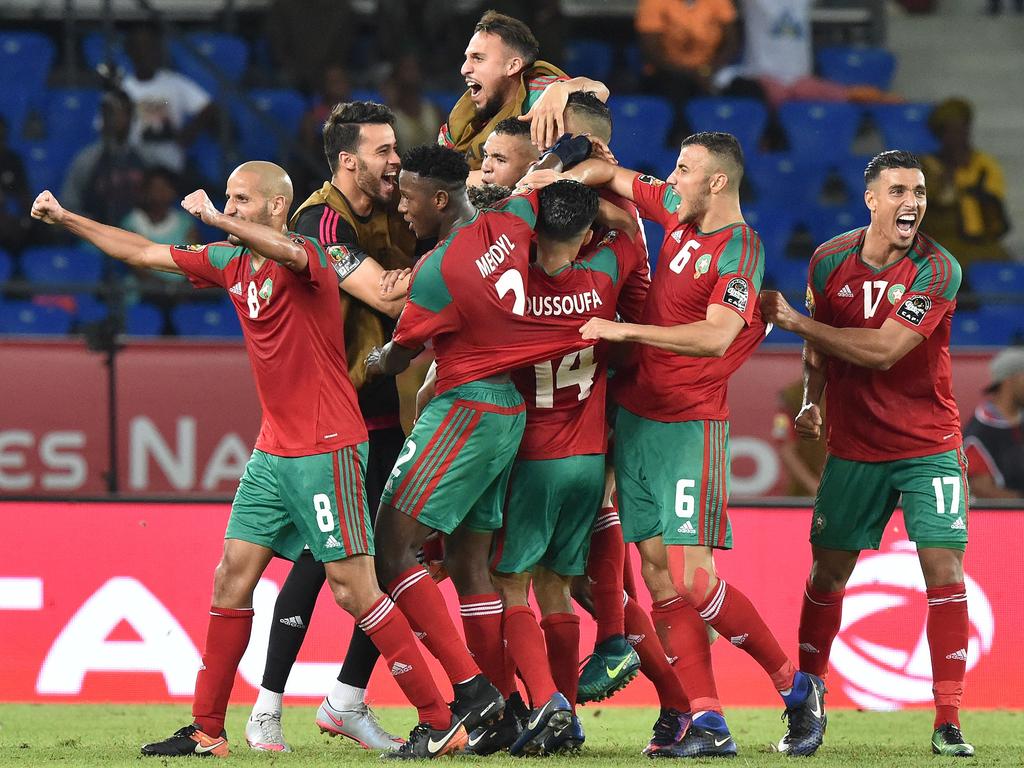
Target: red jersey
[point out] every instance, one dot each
(909, 410)
(696, 269)
(633, 291)
(565, 397)
(469, 295)
(292, 327)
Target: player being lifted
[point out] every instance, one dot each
(353, 217)
(304, 482)
(672, 435)
(881, 300)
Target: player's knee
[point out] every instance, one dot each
(828, 576)
(579, 589)
(231, 588)
(658, 580)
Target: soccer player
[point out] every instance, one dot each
(505, 79)
(468, 295)
(881, 299)
(672, 435)
(351, 215)
(303, 485)
(508, 153)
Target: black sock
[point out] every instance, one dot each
(359, 661)
(292, 613)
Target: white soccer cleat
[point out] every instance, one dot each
(263, 732)
(359, 724)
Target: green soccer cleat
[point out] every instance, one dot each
(947, 740)
(609, 669)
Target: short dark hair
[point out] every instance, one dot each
(443, 165)
(486, 195)
(567, 208)
(891, 158)
(513, 126)
(513, 33)
(724, 145)
(341, 129)
(586, 105)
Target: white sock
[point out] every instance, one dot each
(344, 696)
(267, 701)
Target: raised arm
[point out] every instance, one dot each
(547, 116)
(593, 173)
(134, 250)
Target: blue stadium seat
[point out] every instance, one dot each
(206, 155)
(72, 116)
(774, 224)
(443, 100)
(366, 94)
(59, 264)
(591, 58)
(905, 126)
(989, 326)
(89, 309)
(743, 118)
(779, 336)
(851, 171)
(996, 277)
(24, 317)
(819, 132)
(282, 107)
(780, 178)
(787, 275)
(143, 320)
(641, 126)
(633, 59)
(94, 50)
(857, 65)
(15, 104)
(6, 266)
(226, 53)
(206, 320)
(825, 222)
(25, 60)
(46, 162)
(654, 234)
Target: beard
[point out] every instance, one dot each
(263, 217)
(490, 108)
(369, 183)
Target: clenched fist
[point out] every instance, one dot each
(599, 328)
(808, 422)
(775, 309)
(47, 209)
(199, 205)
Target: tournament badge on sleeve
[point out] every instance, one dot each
(343, 260)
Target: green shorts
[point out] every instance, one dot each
(287, 503)
(672, 480)
(856, 499)
(551, 509)
(454, 467)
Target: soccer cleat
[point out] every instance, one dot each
(425, 742)
(708, 738)
(488, 739)
(566, 740)
(807, 721)
(477, 703)
(947, 740)
(609, 669)
(553, 716)
(669, 729)
(359, 724)
(188, 741)
(263, 732)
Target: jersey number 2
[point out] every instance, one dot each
(512, 280)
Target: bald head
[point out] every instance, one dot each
(260, 192)
(269, 178)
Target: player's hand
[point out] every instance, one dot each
(373, 360)
(394, 283)
(539, 179)
(599, 328)
(547, 116)
(775, 309)
(199, 205)
(601, 151)
(807, 423)
(47, 209)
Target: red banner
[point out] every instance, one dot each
(108, 602)
(188, 415)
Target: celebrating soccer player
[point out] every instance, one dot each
(881, 299)
(303, 485)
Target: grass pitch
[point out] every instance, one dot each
(107, 736)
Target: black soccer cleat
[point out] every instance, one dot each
(807, 721)
(566, 739)
(554, 715)
(488, 739)
(477, 703)
(707, 736)
(425, 743)
(189, 742)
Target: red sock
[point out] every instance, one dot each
(730, 612)
(390, 632)
(820, 617)
(525, 644)
(628, 582)
(562, 637)
(604, 569)
(683, 635)
(948, 631)
(641, 635)
(481, 621)
(227, 636)
(423, 605)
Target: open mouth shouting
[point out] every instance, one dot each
(475, 89)
(905, 224)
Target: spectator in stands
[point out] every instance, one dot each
(170, 109)
(966, 189)
(994, 438)
(104, 180)
(15, 201)
(308, 37)
(334, 88)
(416, 119)
(803, 459)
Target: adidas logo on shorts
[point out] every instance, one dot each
(332, 543)
(958, 525)
(398, 668)
(293, 621)
(960, 655)
(686, 527)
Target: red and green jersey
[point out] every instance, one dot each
(469, 296)
(565, 397)
(907, 411)
(637, 282)
(292, 326)
(695, 270)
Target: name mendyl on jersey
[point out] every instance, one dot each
(495, 256)
(556, 306)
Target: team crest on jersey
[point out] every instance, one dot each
(914, 309)
(818, 524)
(343, 260)
(809, 301)
(194, 247)
(701, 265)
(652, 181)
(737, 294)
(266, 289)
(895, 293)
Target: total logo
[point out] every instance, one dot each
(881, 651)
